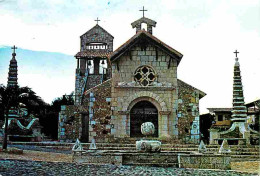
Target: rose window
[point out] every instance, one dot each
(144, 75)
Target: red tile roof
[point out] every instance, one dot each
(91, 54)
(220, 109)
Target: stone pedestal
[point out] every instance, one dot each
(213, 135)
(246, 136)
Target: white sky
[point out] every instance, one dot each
(206, 32)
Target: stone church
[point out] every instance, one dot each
(116, 91)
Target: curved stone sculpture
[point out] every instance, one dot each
(148, 145)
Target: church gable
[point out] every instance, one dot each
(145, 61)
(145, 68)
(142, 39)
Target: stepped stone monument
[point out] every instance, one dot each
(147, 129)
(240, 129)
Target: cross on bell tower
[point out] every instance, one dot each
(143, 11)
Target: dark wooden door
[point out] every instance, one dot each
(85, 128)
(143, 111)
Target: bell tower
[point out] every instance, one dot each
(93, 65)
(149, 23)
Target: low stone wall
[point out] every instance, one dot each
(92, 158)
(155, 159)
(205, 161)
(177, 160)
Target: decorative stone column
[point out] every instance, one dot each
(163, 123)
(239, 113)
(123, 124)
(12, 74)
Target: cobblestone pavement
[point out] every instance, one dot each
(40, 148)
(16, 167)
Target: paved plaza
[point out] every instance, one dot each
(16, 167)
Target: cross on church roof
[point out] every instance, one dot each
(13, 48)
(236, 52)
(97, 20)
(143, 11)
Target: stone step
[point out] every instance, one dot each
(245, 153)
(175, 165)
(123, 144)
(245, 156)
(132, 147)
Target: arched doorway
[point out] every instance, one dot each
(143, 111)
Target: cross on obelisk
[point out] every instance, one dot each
(97, 20)
(236, 52)
(14, 48)
(143, 11)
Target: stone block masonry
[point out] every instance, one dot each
(188, 112)
(98, 99)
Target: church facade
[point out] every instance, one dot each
(117, 91)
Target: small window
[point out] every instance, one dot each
(91, 67)
(144, 26)
(220, 117)
(102, 67)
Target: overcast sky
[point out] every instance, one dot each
(206, 32)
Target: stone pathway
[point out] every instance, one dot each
(21, 167)
(40, 148)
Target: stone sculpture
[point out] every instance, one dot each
(148, 145)
(202, 147)
(77, 146)
(93, 145)
(147, 129)
(224, 149)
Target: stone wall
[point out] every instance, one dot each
(157, 159)
(126, 92)
(205, 161)
(69, 124)
(79, 86)
(98, 101)
(188, 112)
(130, 61)
(93, 80)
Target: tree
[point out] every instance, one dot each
(10, 97)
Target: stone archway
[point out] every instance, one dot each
(143, 111)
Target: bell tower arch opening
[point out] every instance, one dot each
(141, 112)
(144, 26)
